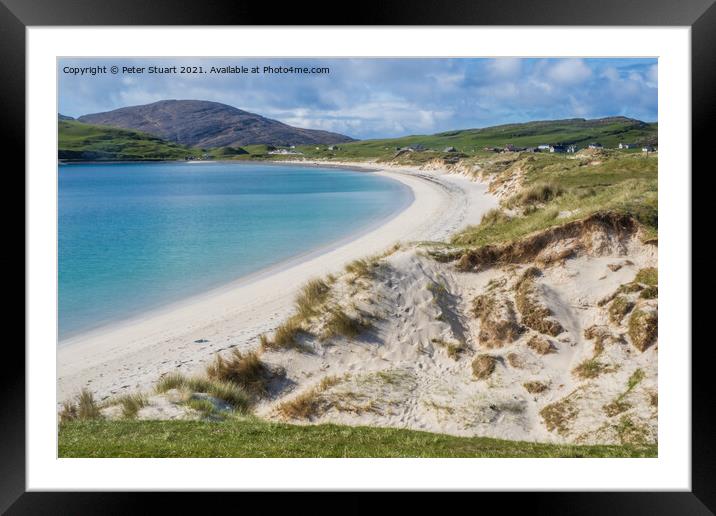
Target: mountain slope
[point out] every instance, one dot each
(78, 141)
(206, 124)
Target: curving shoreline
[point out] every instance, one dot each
(131, 355)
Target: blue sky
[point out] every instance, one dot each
(375, 98)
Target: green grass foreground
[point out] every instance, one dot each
(255, 438)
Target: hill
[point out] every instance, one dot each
(199, 123)
(608, 131)
(78, 141)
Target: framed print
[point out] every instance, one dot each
(433, 251)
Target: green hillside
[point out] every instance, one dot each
(607, 131)
(78, 141)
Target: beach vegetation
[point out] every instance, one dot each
(591, 368)
(311, 296)
(131, 404)
(643, 328)
(228, 391)
(339, 323)
(82, 408)
(285, 336)
(246, 370)
(619, 308)
(647, 276)
(558, 416)
(483, 366)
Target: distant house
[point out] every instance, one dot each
(543, 147)
(627, 146)
(557, 148)
(595, 145)
(571, 149)
(333, 147)
(449, 149)
(413, 148)
(648, 148)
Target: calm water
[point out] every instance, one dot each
(136, 236)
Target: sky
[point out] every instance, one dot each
(379, 98)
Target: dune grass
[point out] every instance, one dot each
(243, 369)
(131, 404)
(558, 189)
(227, 391)
(82, 408)
(340, 324)
(311, 297)
(250, 437)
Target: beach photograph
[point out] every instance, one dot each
(357, 257)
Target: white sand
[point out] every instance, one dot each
(133, 354)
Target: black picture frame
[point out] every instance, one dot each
(699, 15)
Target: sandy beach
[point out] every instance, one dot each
(131, 355)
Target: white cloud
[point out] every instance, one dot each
(505, 67)
(569, 71)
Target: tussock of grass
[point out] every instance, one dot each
(203, 406)
(227, 391)
(493, 217)
(311, 297)
(618, 309)
(453, 349)
(515, 361)
(83, 408)
(498, 324)
(643, 328)
(559, 415)
(307, 404)
(648, 276)
(616, 407)
(285, 336)
(534, 314)
(361, 268)
(131, 404)
(535, 387)
(541, 345)
(649, 293)
(339, 323)
(537, 194)
(590, 368)
(630, 432)
(483, 366)
(243, 369)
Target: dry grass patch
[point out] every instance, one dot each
(535, 387)
(498, 323)
(616, 407)
(534, 314)
(648, 276)
(227, 391)
(643, 328)
(541, 345)
(285, 336)
(515, 361)
(619, 307)
(83, 408)
(311, 296)
(309, 403)
(649, 293)
(243, 369)
(483, 366)
(453, 349)
(132, 404)
(559, 415)
(591, 368)
(339, 323)
(630, 432)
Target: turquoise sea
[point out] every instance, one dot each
(134, 237)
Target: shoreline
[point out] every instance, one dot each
(407, 199)
(185, 335)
